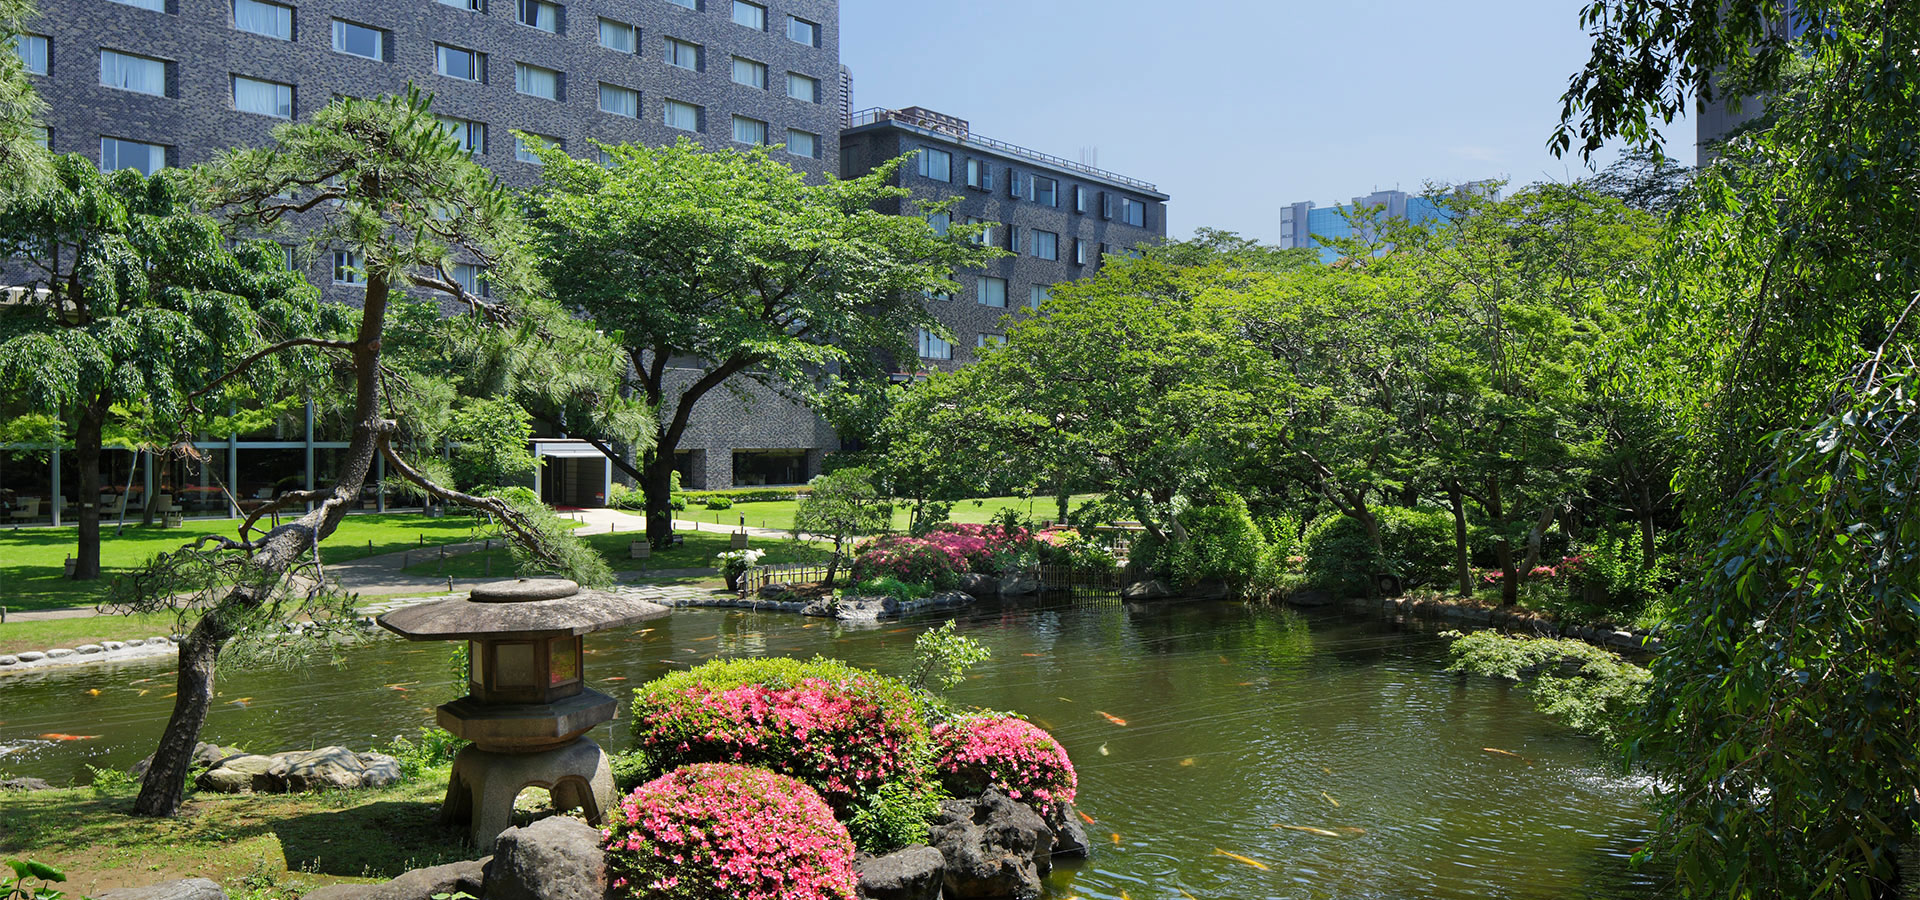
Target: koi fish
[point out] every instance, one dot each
(1224, 661)
(1116, 838)
(1349, 829)
(1112, 718)
(1238, 858)
(1506, 753)
(809, 624)
(1084, 817)
(1123, 896)
(141, 681)
(93, 692)
(707, 638)
(1103, 749)
(644, 631)
(1033, 654)
(898, 630)
(401, 684)
(1329, 798)
(1063, 698)
(1187, 895)
(615, 678)
(143, 693)
(1187, 762)
(1246, 684)
(68, 737)
(1309, 829)
(242, 702)
(1326, 770)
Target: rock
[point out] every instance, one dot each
(240, 775)
(59, 652)
(85, 649)
(205, 756)
(1150, 589)
(910, 874)
(1069, 836)
(114, 645)
(419, 884)
(32, 656)
(980, 585)
(1310, 598)
(156, 639)
(1019, 583)
(946, 600)
(328, 768)
(24, 784)
(9, 660)
(1207, 589)
(137, 642)
(553, 859)
(186, 889)
(993, 847)
(379, 770)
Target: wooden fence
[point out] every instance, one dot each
(1093, 583)
(783, 573)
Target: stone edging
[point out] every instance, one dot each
(1521, 622)
(105, 651)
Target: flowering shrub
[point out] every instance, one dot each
(940, 556)
(842, 730)
(1005, 753)
(738, 561)
(714, 831)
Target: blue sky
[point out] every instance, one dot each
(1237, 107)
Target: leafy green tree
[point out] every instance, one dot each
(382, 179)
(714, 268)
(132, 298)
(1217, 247)
(493, 435)
(843, 504)
(23, 157)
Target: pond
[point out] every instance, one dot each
(1237, 721)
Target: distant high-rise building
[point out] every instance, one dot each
(1303, 224)
(1714, 121)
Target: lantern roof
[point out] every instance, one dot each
(524, 608)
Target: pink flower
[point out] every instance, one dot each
(1009, 754)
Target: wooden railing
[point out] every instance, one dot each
(761, 576)
(1091, 582)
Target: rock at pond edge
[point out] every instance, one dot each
(913, 873)
(552, 859)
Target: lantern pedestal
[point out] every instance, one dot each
(484, 784)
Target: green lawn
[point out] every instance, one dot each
(779, 513)
(31, 558)
(696, 553)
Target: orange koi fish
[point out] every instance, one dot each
(1238, 858)
(1112, 718)
(1506, 753)
(898, 630)
(707, 638)
(1116, 838)
(644, 631)
(1349, 829)
(1225, 662)
(1187, 762)
(1310, 830)
(1329, 798)
(1084, 817)
(1187, 895)
(615, 678)
(68, 737)
(1033, 654)
(93, 692)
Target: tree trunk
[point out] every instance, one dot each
(1536, 536)
(657, 487)
(86, 456)
(833, 565)
(165, 783)
(1460, 563)
(1502, 545)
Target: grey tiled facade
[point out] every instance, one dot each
(995, 181)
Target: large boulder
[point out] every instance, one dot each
(185, 889)
(1069, 836)
(420, 884)
(1150, 589)
(993, 847)
(910, 874)
(328, 768)
(1019, 584)
(979, 585)
(553, 859)
(241, 775)
(378, 770)
(24, 784)
(205, 756)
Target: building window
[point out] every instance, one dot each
(801, 31)
(349, 267)
(1079, 198)
(155, 5)
(991, 291)
(1133, 212)
(619, 100)
(933, 346)
(133, 73)
(456, 62)
(472, 279)
(941, 222)
(539, 14)
(468, 5)
(803, 143)
(1013, 237)
(989, 340)
(32, 50)
(690, 4)
(270, 19)
(1015, 189)
(359, 40)
(41, 136)
(117, 154)
(1045, 191)
(934, 164)
(984, 235)
(1038, 294)
(752, 15)
(526, 149)
(936, 295)
(535, 81)
(1046, 244)
(618, 36)
(471, 135)
(749, 131)
(979, 174)
(1106, 205)
(801, 87)
(683, 54)
(266, 98)
(1079, 252)
(749, 73)
(684, 116)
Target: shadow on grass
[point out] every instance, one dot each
(374, 840)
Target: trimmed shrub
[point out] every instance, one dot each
(751, 495)
(913, 560)
(714, 831)
(1418, 544)
(843, 730)
(1223, 544)
(718, 503)
(1006, 753)
(1340, 557)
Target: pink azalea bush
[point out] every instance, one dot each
(842, 730)
(1009, 754)
(941, 556)
(714, 831)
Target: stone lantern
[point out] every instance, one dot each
(526, 707)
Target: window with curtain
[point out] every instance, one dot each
(32, 50)
(472, 279)
(752, 15)
(118, 153)
(620, 101)
(990, 291)
(934, 164)
(989, 340)
(1046, 244)
(801, 31)
(1038, 294)
(1079, 198)
(133, 73)
(618, 36)
(802, 87)
(1133, 212)
(536, 81)
(358, 40)
(1045, 191)
(459, 62)
(940, 222)
(266, 98)
(525, 149)
(540, 14)
(471, 135)
(749, 131)
(349, 267)
(933, 346)
(684, 116)
(803, 143)
(683, 54)
(750, 73)
(155, 5)
(690, 4)
(469, 5)
(270, 19)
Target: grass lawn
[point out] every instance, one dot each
(696, 553)
(256, 846)
(779, 513)
(31, 558)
